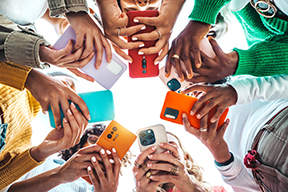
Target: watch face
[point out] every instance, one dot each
(173, 84)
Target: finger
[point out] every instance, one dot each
(160, 166)
(152, 36)
(141, 158)
(122, 54)
(79, 41)
(223, 128)
(56, 111)
(162, 54)
(164, 157)
(204, 122)
(107, 48)
(216, 48)
(164, 178)
(74, 127)
(125, 32)
(193, 88)
(117, 162)
(66, 141)
(188, 126)
(186, 59)
(168, 65)
(170, 148)
(90, 149)
(196, 54)
(71, 57)
(81, 104)
(81, 74)
(123, 45)
(218, 113)
(176, 61)
(107, 164)
(88, 45)
(80, 119)
(92, 177)
(99, 52)
(63, 52)
(79, 63)
(154, 49)
(152, 21)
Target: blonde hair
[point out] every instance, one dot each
(194, 170)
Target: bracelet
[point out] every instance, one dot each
(226, 162)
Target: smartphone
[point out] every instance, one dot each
(117, 136)
(100, 105)
(152, 136)
(142, 65)
(107, 74)
(173, 81)
(176, 103)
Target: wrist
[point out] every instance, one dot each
(223, 158)
(234, 58)
(37, 154)
(227, 162)
(29, 80)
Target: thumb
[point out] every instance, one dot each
(216, 48)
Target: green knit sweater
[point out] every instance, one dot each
(267, 38)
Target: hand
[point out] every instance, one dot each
(219, 67)
(67, 137)
(222, 96)
(164, 23)
(107, 181)
(77, 165)
(211, 138)
(89, 34)
(50, 91)
(187, 41)
(144, 184)
(113, 19)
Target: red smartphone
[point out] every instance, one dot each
(176, 103)
(142, 65)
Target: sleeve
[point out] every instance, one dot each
(264, 58)
(16, 167)
(13, 75)
(206, 10)
(21, 47)
(236, 175)
(59, 7)
(262, 88)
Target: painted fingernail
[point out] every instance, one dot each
(191, 112)
(213, 120)
(73, 106)
(114, 150)
(89, 117)
(64, 119)
(198, 65)
(69, 112)
(93, 159)
(108, 152)
(142, 45)
(111, 160)
(150, 156)
(136, 20)
(161, 144)
(198, 116)
(140, 53)
(149, 165)
(153, 148)
(134, 38)
(89, 168)
(151, 177)
(210, 37)
(102, 151)
(59, 126)
(144, 27)
(156, 62)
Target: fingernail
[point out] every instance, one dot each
(144, 27)
(184, 115)
(59, 126)
(149, 165)
(210, 37)
(89, 168)
(69, 112)
(156, 62)
(150, 156)
(89, 117)
(45, 112)
(213, 120)
(151, 177)
(198, 116)
(108, 152)
(161, 144)
(153, 148)
(166, 75)
(64, 119)
(198, 65)
(191, 112)
(114, 150)
(134, 38)
(136, 20)
(93, 159)
(142, 45)
(140, 53)
(102, 151)
(111, 160)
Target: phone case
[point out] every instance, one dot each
(152, 136)
(175, 104)
(100, 105)
(142, 65)
(107, 74)
(117, 136)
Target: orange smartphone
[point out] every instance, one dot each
(176, 103)
(117, 136)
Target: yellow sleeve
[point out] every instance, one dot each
(13, 75)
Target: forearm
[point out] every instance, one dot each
(59, 7)
(42, 182)
(263, 88)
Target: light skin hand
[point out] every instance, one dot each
(65, 138)
(188, 40)
(211, 138)
(219, 67)
(88, 35)
(222, 96)
(50, 91)
(108, 181)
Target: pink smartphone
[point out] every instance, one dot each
(107, 74)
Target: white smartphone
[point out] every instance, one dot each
(152, 136)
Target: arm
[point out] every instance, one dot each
(58, 7)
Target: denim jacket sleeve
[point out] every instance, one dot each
(20, 45)
(59, 7)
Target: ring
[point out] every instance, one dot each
(144, 166)
(174, 169)
(148, 174)
(202, 129)
(137, 164)
(159, 33)
(119, 31)
(176, 56)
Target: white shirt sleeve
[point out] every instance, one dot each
(236, 175)
(262, 88)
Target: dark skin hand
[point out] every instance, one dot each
(222, 96)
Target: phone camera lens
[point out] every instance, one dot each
(150, 136)
(142, 134)
(109, 136)
(144, 71)
(114, 128)
(144, 142)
